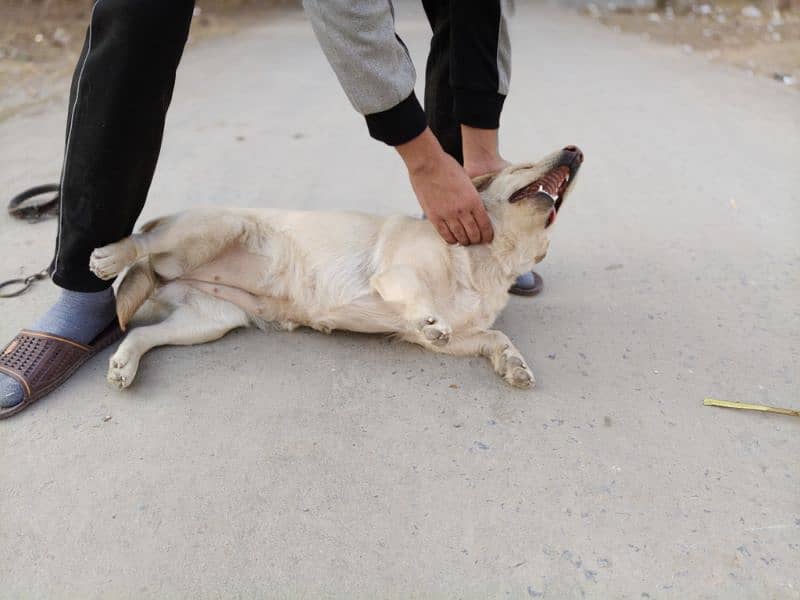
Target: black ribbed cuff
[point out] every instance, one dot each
(478, 109)
(400, 124)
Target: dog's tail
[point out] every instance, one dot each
(136, 287)
(138, 283)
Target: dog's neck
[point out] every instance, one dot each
(502, 261)
(512, 252)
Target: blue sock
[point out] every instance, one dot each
(526, 280)
(79, 316)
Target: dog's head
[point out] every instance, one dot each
(524, 200)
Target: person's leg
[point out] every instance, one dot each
(119, 96)
(121, 92)
(438, 92)
(466, 81)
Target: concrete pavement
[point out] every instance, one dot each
(301, 465)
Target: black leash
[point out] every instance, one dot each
(32, 212)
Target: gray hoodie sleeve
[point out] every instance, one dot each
(372, 64)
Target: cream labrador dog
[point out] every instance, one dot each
(204, 272)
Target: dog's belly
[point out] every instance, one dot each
(236, 268)
(269, 288)
(366, 314)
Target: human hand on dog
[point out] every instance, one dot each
(445, 192)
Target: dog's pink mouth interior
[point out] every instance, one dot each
(553, 185)
(551, 218)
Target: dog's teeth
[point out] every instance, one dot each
(546, 193)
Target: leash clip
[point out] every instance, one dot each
(24, 282)
(31, 212)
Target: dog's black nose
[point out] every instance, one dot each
(576, 151)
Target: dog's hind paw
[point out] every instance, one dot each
(109, 261)
(122, 369)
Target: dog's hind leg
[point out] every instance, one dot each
(109, 261)
(200, 319)
(494, 345)
(401, 286)
(185, 240)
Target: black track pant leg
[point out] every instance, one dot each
(119, 97)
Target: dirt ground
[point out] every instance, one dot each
(40, 41)
(745, 34)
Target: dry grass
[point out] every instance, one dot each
(765, 46)
(40, 41)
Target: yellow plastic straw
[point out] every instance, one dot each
(745, 406)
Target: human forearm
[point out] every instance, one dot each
(421, 154)
(371, 63)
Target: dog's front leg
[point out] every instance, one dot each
(494, 345)
(401, 287)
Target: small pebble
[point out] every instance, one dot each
(751, 12)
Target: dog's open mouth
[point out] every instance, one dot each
(552, 186)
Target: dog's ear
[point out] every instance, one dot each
(483, 181)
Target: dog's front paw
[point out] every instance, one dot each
(435, 332)
(514, 370)
(122, 369)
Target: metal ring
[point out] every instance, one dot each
(23, 281)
